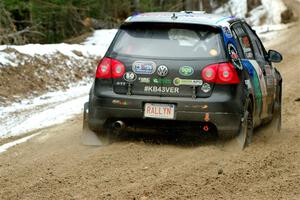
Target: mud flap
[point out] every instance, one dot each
(89, 137)
(242, 137)
(245, 134)
(276, 123)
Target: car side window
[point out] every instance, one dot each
(259, 49)
(239, 48)
(244, 41)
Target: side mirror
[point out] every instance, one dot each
(274, 56)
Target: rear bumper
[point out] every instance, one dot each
(224, 110)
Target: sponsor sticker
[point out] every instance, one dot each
(143, 67)
(227, 32)
(190, 82)
(129, 76)
(162, 81)
(205, 87)
(270, 78)
(186, 71)
(120, 83)
(144, 79)
(234, 56)
(156, 89)
(120, 102)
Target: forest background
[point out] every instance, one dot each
(53, 21)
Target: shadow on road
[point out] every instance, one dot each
(168, 137)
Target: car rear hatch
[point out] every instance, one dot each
(166, 59)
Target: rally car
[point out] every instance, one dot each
(171, 69)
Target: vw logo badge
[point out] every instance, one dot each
(162, 70)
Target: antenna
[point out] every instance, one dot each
(174, 16)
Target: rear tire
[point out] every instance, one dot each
(245, 132)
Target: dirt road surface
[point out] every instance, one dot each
(54, 165)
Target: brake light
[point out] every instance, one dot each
(118, 69)
(104, 68)
(209, 73)
(110, 68)
(222, 73)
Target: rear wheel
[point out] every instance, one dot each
(245, 132)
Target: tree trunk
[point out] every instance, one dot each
(200, 3)
(161, 4)
(188, 4)
(253, 4)
(136, 5)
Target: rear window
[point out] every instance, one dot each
(168, 41)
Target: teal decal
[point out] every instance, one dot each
(256, 84)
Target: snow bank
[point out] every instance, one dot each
(270, 32)
(96, 45)
(264, 19)
(101, 38)
(7, 59)
(274, 9)
(52, 107)
(238, 8)
(256, 15)
(270, 10)
(46, 110)
(6, 146)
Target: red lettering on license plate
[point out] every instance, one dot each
(162, 111)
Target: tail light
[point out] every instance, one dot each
(110, 68)
(222, 73)
(209, 73)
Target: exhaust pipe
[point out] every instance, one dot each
(118, 125)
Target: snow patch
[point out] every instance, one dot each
(5, 59)
(238, 8)
(46, 110)
(6, 146)
(95, 45)
(256, 15)
(271, 28)
(270, 10)
(101, 37)
(274, 9)
(270, 32)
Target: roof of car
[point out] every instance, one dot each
(190, 17)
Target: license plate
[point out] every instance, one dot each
(159, 111)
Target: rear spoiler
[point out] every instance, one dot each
(127, 25)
